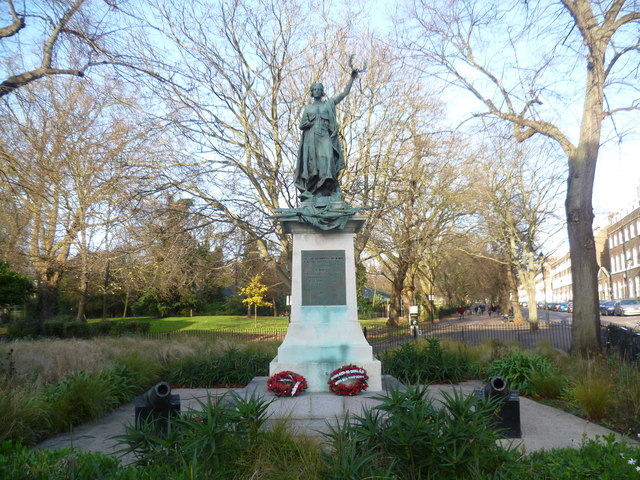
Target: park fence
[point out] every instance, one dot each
(230, 334)
(382, 338)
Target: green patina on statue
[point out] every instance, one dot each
(320, 161)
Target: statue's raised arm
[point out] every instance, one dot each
(354, 74)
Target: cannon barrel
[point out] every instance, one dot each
(159, 396)
(497, 387)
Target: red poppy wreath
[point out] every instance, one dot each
(287, 384)
(348, 380)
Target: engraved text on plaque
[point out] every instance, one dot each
(323, 277)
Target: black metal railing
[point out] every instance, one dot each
(246, 335)
(557, 335)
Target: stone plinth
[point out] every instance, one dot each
(324, 333)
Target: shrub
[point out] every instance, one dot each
(211, 441)
(593, 395)
(626, 409)
(548, 385)
(23, 415)
(141, 368)
(132, 327)
(81, 397)
(425, 362)
(102, 328)
(231, 367)
(24, 329)
(53, 328)
(18, 462)
(406, 436)
(602, 458)
(517, 369)
(78, 330)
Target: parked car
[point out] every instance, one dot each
(563, 307)
(607, 307)
(627, 307)
(570, 307)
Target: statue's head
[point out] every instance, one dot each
(317, 90)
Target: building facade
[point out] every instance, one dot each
(618, 255)
(624, 254)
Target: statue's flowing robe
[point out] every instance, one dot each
(320, 157)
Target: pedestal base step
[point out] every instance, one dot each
(313, 412)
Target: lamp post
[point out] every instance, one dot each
(544, 286)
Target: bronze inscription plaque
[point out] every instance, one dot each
(323, 277)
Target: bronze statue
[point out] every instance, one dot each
(319, 163)
(320, 156)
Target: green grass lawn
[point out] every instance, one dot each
(218, 322)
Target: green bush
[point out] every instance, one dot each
(426, 362)
(594, 395)
(53, 328)
(132, 327)
(211, 441)
(81, 397)
(231, 367)
(24, 416)
(24, 329)
(141, 368)
(548, 385)
(518, 368)
(406, 436)
(603, 458)
(102, 328)
(18, 462)
(78, 330)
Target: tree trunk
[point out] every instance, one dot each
(48, 297)
(126, 305)
(514, 306)
(83, 281)
(533, 309)
(396, 294)
(105, 285)
(579, 208)
(82, 288)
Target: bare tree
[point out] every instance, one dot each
(76, 153)
(66, 37)
(520, 62)
(426, 202)
(518, 196)
(229, 83)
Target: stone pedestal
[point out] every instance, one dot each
(324, 333)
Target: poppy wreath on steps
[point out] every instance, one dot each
(348, 380)
(287, 384)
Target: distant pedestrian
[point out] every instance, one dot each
(461, 312)
(490, 310)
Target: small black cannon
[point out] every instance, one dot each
(507, 416)
(157, 405)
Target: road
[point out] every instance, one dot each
(566, 318)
